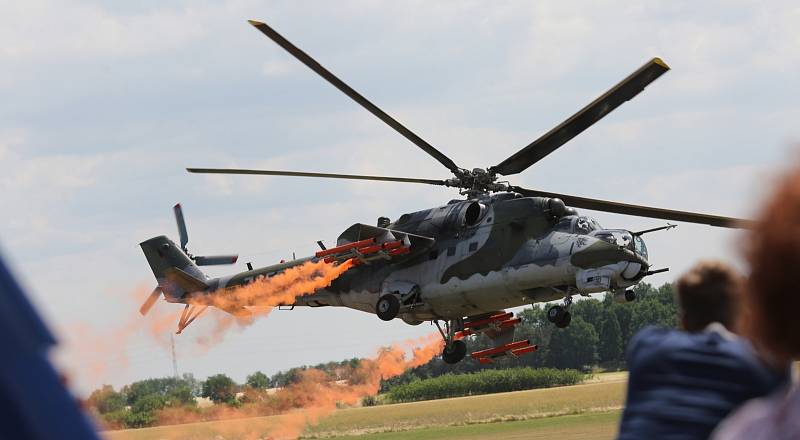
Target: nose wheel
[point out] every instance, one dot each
(559, 314)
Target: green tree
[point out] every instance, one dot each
(194, 385)
(181, 396)
(258, 380)
(609, 346)
(623, 312)
(283, 378)
(573, 347)
(149, 403)
(219, 388)
(106, 400)
(590, 310)
(133, 419)
(651, 311)
(178, 388)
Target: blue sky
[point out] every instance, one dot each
(105, 103)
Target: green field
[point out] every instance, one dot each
(590, 410)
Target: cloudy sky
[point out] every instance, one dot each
(105, 103)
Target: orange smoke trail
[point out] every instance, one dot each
(283, 288)
(93, 355)
(260, 297)
(317, 395)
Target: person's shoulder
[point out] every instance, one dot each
(652, 335)
(732, 345)
(742, 423)
(762, 418)
(652, 338)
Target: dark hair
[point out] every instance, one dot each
(772, 297)
(708, 293)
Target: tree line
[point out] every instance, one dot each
(482, 382)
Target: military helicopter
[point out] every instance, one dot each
(462, 264)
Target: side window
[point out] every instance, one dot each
(564, 225)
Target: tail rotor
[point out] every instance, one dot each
(148, 303)
(200, 260)
(164, 256)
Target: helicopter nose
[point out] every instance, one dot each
(601, 252)
(598, 253)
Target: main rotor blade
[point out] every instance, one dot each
(577, 123)
(638, 210)
(304, 174)
(181, 225)
(355, 96)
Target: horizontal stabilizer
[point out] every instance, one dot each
(184, 280)
(213, 260)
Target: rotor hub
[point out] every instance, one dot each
(476, 182)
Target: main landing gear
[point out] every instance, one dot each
(559, 314)
(454, 349)
(454, 352)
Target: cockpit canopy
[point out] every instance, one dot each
(577, 224)
(584, 225)
(623, 238)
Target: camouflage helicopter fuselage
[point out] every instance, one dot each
(491, 254)
(466, 258)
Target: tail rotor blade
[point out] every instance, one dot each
(181, 226)
(148, 303)
(213, 260)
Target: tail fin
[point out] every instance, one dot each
(174, 270)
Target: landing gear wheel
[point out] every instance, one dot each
(387, 308)
(559, 316)
(555, 314)
(454, 352)
(565, 320)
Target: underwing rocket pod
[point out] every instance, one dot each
(517, 348)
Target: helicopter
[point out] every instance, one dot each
(462, 264)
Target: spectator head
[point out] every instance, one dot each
(708, 293)
(772, 293)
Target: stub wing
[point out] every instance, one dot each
(499, 327)
(366, 244)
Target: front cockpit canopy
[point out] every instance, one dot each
(583, 225)
(575, 224)
(623, 238)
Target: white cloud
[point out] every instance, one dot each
(42, 30)
(278, 67)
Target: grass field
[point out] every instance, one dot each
(590, 410)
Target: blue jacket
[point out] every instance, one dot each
(681, 384)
